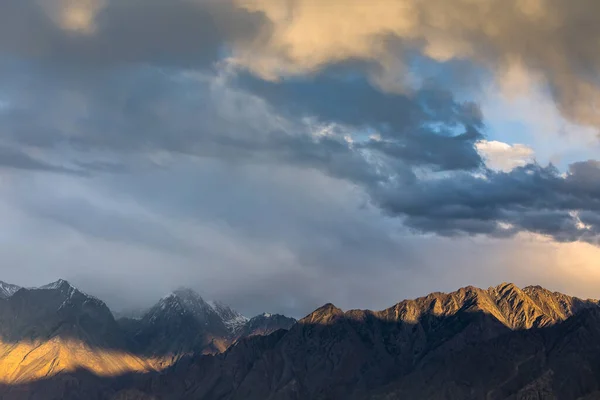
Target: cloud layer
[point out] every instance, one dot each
(265, 143)
(547, 40)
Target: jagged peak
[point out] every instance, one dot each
(535, 288)
(8, 289)
(532, 290)
(66, 287)
(469, 288)
(329, 307)
(507, 286)
(514, 307)
(59, 284)
(540, 290)
(181, 302)
(187, 293)
(267, 315)
(70, 295)
(184, 297)
(506, 291)
(323, 315)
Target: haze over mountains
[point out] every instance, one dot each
(56, 327)
(499, 343)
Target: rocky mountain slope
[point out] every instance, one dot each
(233, 320)
(180, 324)
(499, 343)
(183, 323)
(263, 325)
(7, 289)
(57, 328)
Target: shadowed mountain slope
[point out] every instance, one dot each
(58, 310)
(264, 324)
(500, 343)
(183, 323)
(7, 289)
(57, 328)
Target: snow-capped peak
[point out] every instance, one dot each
(185, 301)
(182, 301)
(70, 292)
(59, 284)
(7, 289)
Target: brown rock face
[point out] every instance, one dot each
(499, 343)
(57, 329)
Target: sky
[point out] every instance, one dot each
(279, 155)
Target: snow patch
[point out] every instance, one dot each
(186, 301)
(55, 285)
(7, 289)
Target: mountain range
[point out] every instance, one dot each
(503, 342)
(57, 328)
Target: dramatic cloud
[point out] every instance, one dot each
(530, 198)
(416, 157)
(552, 40)
(549, 41)
(282, 148)
(148, 110)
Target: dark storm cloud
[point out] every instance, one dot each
(419, 129)
(115, 84)
(151, 109)
(144, 110)
(531, 198)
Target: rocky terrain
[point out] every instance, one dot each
(183, 323)
(500, 343)
(263, 325)
(57, 328)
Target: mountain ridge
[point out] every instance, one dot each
(514, 307)
(524, 341)
(58, 328)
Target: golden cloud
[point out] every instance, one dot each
(74, 15)
(554, 40)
